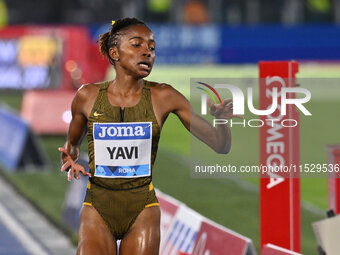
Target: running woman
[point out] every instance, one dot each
(123, 119)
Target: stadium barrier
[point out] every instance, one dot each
(187, 232)
(327, 234)
(333, 153)
(216, 239)
(47, 112)
(74, 197)
(271, 249)
(19, 147)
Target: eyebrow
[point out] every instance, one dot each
(140, 38)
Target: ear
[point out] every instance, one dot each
(113, 51)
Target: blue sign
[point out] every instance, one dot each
(13, 135)
(187, 44)
(183, 44)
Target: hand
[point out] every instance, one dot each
(224, 110)
(73, 167)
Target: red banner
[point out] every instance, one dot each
(169, 207)
(184, 232)
(215, 240)
(279, 146)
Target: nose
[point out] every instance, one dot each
(147, 54)
(146, 51)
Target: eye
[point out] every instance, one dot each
(135, 44)
(152, 48)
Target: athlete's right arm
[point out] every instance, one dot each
(76, 133)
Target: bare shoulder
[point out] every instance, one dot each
(85, 98)
(88, 90)
(162, 90)
(167, 98)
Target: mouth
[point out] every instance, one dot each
(145, 65)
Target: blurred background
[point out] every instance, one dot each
(48, 49)
(232, 12)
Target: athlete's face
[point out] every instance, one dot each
(136, 51)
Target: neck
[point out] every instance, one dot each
(126, 84)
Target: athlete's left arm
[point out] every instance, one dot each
(218, 138)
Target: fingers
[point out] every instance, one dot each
(80, 168)
(65, 166)
(70, 174)
(227, 101)
(211, 105)
(230, 106)
(83, 171)
(222, 109)
(225, 111)
(74, 168)
(63, 150)
(65, 155)
(74, 171)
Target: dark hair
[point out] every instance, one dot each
(110, 39)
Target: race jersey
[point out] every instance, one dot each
(122, 144)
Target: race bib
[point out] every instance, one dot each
(122, 150)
